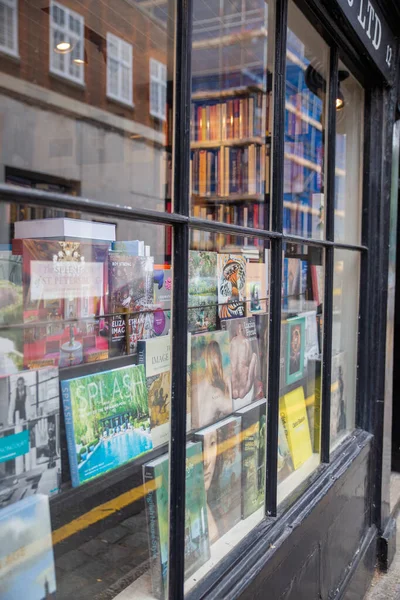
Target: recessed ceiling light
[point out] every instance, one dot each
(63, 47)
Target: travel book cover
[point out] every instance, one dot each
(11, 313)
(156, 485)
(106, 419)
(253, 456)
(203, 295)
(222, 475)
(64, 298)
(211, 378)
(155, 355)
(231, 270)
(245, 360)
(292, 408)
(338, 395)
(29, 434)
(295, 345)
(26, 551)
(256, 288)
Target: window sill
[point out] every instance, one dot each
(64, 79)
(12, 56)
(120, 102)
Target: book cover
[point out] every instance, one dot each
(285, 463)
(107, 420)
(64, 298)
(203, 298)
(231, 269)
(295, 344)
(222, 475)
(311, 344)
(338, 395)
(26, 551)
(262, 328)
(11, 313)
(293, 272)
(197, 550)
(246, 384)
(292, 408)
(155, 355)
(256, 288)
(162, 281)
(211, 377)
(132, 247)
(253, 456)
(29, 434)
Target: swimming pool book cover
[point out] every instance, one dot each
(197, 550)
(107, 420)
(26, 551)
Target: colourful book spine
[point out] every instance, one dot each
(69, 429)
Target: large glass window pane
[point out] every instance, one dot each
(344, 343)
(348, 160)
(227, 387)
(307, 69)
(85, 399)
(301, 366)
(231, 118)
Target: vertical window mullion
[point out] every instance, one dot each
(181, 166)
(279, 77)
(329, 256)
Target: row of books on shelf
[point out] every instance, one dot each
(230, 170)
(227, 119)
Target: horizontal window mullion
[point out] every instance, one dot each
(211, 226)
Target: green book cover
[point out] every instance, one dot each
(253, 456)
(197, 550)
(203, 297)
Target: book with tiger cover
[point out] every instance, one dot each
(231, 271)
(292, 408)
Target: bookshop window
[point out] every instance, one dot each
(227, 385)
(348, 160)
(307, 68)
(344, 343)
(76, 139)
(231, 112)
(85, 398)
(300, 366)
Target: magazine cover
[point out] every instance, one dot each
(64, 298)
(211, 378)
(256, 288)
(155, 355)
(203, 296)
(231, 285)
(244, 353)
(197, 550)
(222, 475)
(11, 313)
(107, 420)
(292, 408)
(253, 456)
(26, 551)
(29, 434)
(295, 344)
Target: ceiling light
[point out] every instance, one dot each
(63, 47)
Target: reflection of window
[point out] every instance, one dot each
(119, 69)
(158, 89)
(9, 27)
(66, 42)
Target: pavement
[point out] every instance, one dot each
(386, 586)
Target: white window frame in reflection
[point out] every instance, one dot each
(68, 35)
(10, 37)
(120, 53)
(158, 89)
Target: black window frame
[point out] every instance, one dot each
(182, 222)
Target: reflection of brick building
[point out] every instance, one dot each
(85, 119)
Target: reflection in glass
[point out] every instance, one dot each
(228, 325)
(344, 343)
(348, 158)
(307, 68)
(301, 366)
(231, 119)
